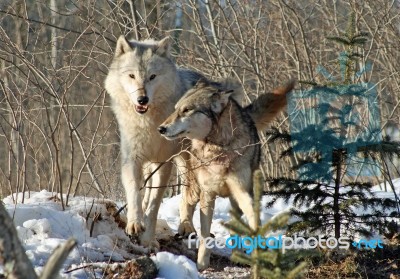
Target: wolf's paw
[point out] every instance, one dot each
(134, 228)
(186, 228)
(152, 244)
(203, 264)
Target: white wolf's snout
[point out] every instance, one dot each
(141, 100)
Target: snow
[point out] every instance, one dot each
(42, 225)
(172, 266)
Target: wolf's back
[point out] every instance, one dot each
(265, 108)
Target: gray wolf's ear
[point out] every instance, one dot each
(220, 100)
(163, 47)
(202, 82)
(123, 46)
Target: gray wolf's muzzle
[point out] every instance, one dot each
(166, 132)
(162, 130)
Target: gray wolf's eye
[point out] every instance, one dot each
(185, 110)
(132, 76)
(153, 76)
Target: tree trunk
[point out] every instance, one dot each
(336, 213)
(16, 262)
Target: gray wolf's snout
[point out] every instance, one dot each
(142, 100)
(162, 130)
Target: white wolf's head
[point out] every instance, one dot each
(195, 113)
(142, 69)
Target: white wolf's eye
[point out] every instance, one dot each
(132, 76)
(153, 76)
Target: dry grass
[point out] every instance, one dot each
(375, 264)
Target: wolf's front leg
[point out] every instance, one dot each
(159, 182)
(207, 203)
(190, 197)
(240, 188)
(131, 174)
(146, 197)
(186, 212)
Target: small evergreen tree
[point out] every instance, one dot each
(332, 140)
(271, 264)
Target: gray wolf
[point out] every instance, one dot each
(225, 148)
(144, 85)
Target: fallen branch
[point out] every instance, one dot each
(78, 268)
(57, 259)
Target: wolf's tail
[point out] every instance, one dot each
(263, 109)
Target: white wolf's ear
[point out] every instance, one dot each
(220, 100)
(163, 47)
(123, 46)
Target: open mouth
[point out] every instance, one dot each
(141, 109)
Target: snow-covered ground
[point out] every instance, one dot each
(42, 225)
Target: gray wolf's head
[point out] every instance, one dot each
(141, 69)
(195, 113)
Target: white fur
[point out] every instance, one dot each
(141, 143)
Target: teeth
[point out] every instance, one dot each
(141, 109)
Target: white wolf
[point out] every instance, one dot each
(144, 85)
